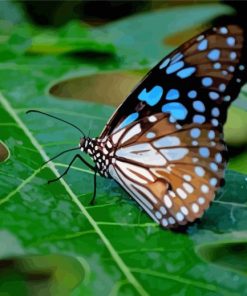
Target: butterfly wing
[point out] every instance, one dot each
(195, 83)
(171, 171)
(167, 135)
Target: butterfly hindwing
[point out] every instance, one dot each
(195, 83)
(172, 172)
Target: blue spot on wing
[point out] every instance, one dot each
(132, 117)
(213, 95)
(165, 63)
(195, 132)
(215, 112)
(207, 81)
(172, 94)
(198, 119)
(204, 152)
(186, 72)
(192, 94)
(203, 44)
(150, 135)
(152, 97)
(214, 54)
(230, 41)
(199, 106)
(178, 56)
(177, 110)
(174, 67)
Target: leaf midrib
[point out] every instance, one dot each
(124, 268)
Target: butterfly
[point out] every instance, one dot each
(164, 144)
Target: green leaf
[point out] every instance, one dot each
(75, 37)
(235, 134)
(52, 274)
(116, 248)
(239, 162)
(146, 38)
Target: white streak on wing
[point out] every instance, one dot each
(112, 172)
(128, 186)
(137, 148)
(116, 136)
(135, 130)
(167, 141)
(126, 183)
(146, 192)
(174, 154)
(156, 172)
(143, 202)
(131, 171)
(142, 153)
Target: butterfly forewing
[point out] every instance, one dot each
(172, 171)
(195, 83)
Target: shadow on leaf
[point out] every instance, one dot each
(48, 275)
(4, 152)
(232, 255)
(109, 88)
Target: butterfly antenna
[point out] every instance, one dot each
(57, 118)
(61, 153)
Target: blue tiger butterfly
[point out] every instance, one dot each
(164, 145)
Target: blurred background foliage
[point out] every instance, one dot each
(92, 53)
(91, 12)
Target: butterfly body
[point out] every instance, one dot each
(101, 153)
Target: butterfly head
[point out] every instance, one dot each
(82, 143)
(98, 152)
(87, 145)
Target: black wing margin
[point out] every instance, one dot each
(195, 83)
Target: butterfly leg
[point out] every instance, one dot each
(92, 202)
(69, 166)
